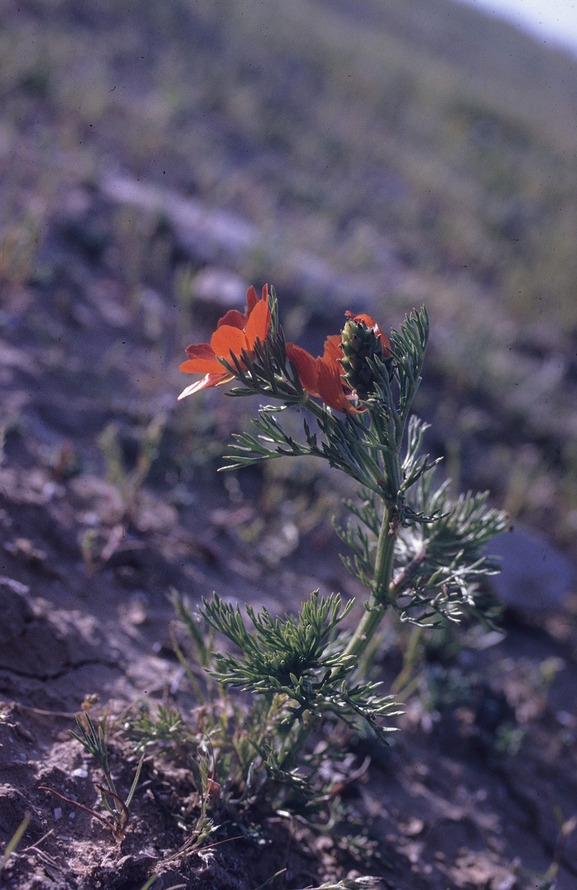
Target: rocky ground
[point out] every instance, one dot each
(477, 790)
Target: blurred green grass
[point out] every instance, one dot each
(452, 134)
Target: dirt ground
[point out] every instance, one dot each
(478, 788)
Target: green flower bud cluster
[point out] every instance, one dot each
(358, 344)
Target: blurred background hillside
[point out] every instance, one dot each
(368, 154)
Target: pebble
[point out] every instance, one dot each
(535, 576)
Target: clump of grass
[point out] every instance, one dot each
(129, 479)
(14, 841)
(92, 738)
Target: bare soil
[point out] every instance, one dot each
(473, 792)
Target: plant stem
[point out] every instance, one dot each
(409, 661)
(378, 602)
(290, 756)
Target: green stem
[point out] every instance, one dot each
(409, 661)
(290, 756)
(379, 599)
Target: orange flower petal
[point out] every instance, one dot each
(227, 339)
(385, 343)
(202, 360)
(306, 367)
(372, 324)
(202, 366)
(233, 318)
(333, 352)
(322, 377)
(204, 383)
(251, 299)
(331, 386)
(200, 350)
(364, 318)
(235, 333)
(258, 324)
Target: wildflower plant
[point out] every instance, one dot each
(417, 552)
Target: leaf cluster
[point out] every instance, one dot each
(246, 755)
(449, 556)
(440, 558)
(296, 658)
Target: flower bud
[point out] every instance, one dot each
(358, 344)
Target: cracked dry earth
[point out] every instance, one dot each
(473, 792)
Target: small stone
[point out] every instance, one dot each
(412, 828)
(219, 288)
(534, 575)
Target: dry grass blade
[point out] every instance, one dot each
(14, 841)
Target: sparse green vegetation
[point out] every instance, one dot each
(404, 151)
(346, 120)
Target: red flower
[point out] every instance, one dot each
(375, 328)
(322, 377)
(236, 332)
